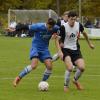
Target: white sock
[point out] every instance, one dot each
(67, 78)
(28, 68)
(55, 57)
(77, 74)
(74, 66)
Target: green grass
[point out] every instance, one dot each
(14, 56)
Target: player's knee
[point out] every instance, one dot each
(49, 67)
(70, 69)
(82, 69)
(33, 67)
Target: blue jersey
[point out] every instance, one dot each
(42, 35)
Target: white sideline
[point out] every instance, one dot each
(87, 67)
(86, 75)
(54, 76)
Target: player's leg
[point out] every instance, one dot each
(48, 70)
(55, 57)
(74, 68)
(69, 67)
(81, 66)
(47, 59)
(26, 70)
(29, 68)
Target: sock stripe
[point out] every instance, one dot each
(26, 70)
(47, 73)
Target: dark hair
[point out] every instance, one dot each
(72, 14)
(51, 21)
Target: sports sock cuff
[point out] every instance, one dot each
(28, 68)
(47, 71)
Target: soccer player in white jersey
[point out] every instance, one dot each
(71, 53)
(60, 22)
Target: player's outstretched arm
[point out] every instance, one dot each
(22, 27)
(58, 48)
(10, 29)
(87, 39)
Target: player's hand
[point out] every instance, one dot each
(54, 36)
(61, 45)
(91, 46)
(10, 29)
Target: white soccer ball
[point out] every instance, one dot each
(23, 35)
(43, 86)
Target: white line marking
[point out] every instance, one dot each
(14, 68)
(11, 78)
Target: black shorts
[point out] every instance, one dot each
(74, 54)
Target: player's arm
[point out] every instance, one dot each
(22, 27)
(86, 36)
(58, 22)
(58, 48)
(56, 36)
(56, 32)
(10, 29)
(59, 42)
(19, 27)
(33, 27)
(62, 35)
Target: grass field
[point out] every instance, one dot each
(14, 56)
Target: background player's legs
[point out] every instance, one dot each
(48, 71)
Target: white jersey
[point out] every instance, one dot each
(62, 22)
(71, 36)
(13, 25)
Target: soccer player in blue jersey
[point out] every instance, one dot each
(39, 49)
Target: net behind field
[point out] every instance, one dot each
(32, 16)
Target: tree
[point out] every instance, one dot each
(6, 4)
(89, 7)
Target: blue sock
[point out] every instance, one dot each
(25, 71)
(46, 75)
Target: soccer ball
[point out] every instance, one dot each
(43, 86)
(23, 35)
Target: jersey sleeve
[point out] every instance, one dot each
(58, 22)
(56, 29)
(81, 28)
(62, 34)
(21, 27)
(34, 27)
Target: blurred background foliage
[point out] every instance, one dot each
(88, 7)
